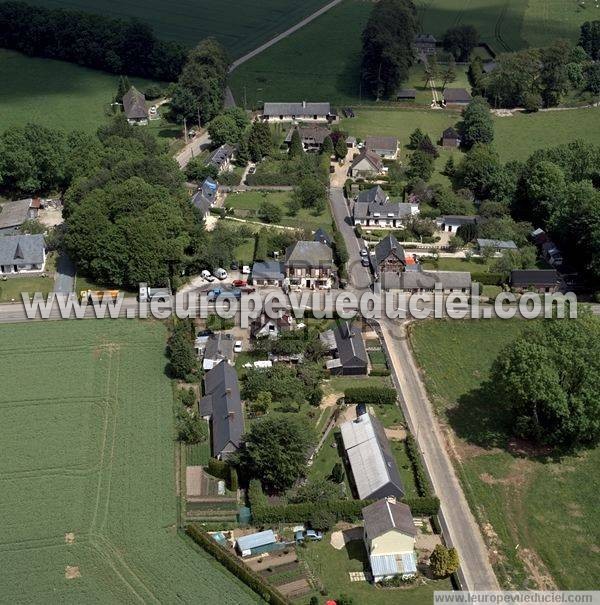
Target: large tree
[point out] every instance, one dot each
(477, 125)
(549, 379)
(275, 451)
(387, 51)
(478, 170)
(460, 41)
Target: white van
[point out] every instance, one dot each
(220, 273)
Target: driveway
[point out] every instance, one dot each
(192, 149)
(64, 280)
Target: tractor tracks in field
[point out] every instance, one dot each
(498, 27)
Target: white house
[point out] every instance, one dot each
(384, 216)
(390, 536)
(366, 164)
(451, 222)
(304, 111)
(22, 254)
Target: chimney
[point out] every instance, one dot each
(228, 391)
(391, 499)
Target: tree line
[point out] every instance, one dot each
(120, 46)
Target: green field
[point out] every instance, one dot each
(88, 471)
(320, 62)
(10, 289)
(540, 515)
(246, 204)
(240, 25)
(55, 94)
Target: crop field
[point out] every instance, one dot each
(240, 25)
(88, 493)
(321, 61)
(55, 94)
(509, 24)
(538, 514)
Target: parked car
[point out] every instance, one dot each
(365, 262)
(237, 346)
(364, 252)
(252, 170)
(248, 289)
(220, 273)
(234, 265)
(207, 276)
(246, 270)
(238, 283)
(216, 292)
(310, 535)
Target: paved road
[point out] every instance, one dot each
(360, 277)
(283, 35)
(192, 149)
(64, 280)
(461, 529)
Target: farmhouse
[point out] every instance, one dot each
(206, 196)
(222, 406)
(134, 106)
(389, 256)
(371, 459)
(385, 147)
(268, 273)
(450, 138)
(346, 344)
(218, 348)
(496, 244)
(22, 254)
(451, 222)
(386, 216)
(221, 158)
(424, 44)
(312, 137)
(536, 280)
(390, 536)
(366, 164)
(309, 265)
(375, 195)
(406, 94)
(448, 282)
(456, 96)
(304, 111)
(14, 214)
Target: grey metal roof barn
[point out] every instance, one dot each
(386, 515)
(375, 194)
(497, 244)
(406, 93)
(305, 254)
(427, 280)
(134, 105)
(223, 404)
(22, 250)
(299, 110)
(457, 95)
(382, 145)
(257, 540)
(373, 464)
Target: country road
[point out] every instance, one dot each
(192, 149)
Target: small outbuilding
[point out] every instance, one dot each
(256, 544)
(456, 96)
(406, 94)
(134, 106)
(450, 138)
(535, 280)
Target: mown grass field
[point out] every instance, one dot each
(320, 62)
(240, 25)
(539, 515)
(88, 469)
(54, 94)
(10, 289)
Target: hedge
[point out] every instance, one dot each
(264, 590)
(218, 469)
(488, 279)
(342, 510)
(374, 395)
(379, 372)
(421, 481)
(256, 496)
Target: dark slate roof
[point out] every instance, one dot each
(425, 38)
(303, 109)
(427, 280)
(221, 155)
(386, 515)
(450, 133)
(406, 93)
(134, 104)
(322, 236)
(219, 346)
(14, 214)
(386, 246)
(205, 197)
(22, 249)
(457, 95)
(385, 143)
(497, 244)
(267, 270)
(371, 157)
(458, 219)
(223, 403)
(489, 66)
(375, 194)
(393, 210)
(534, 277)
(350, 346)
(305, 254)
(314, 134)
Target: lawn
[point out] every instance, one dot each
(240, 25)
(244, 253)
(473, 265)
(320, 62)
(54, 94)
(10, 289)
(539, 515)
(333, 567)
(247, 203)
(88, 492)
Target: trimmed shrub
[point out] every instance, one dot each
(256, 496)
(218, 468)
(425, 506)
(374, 395)
(421, 481)
(228, 559)
(488, 279)
(379, 372)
